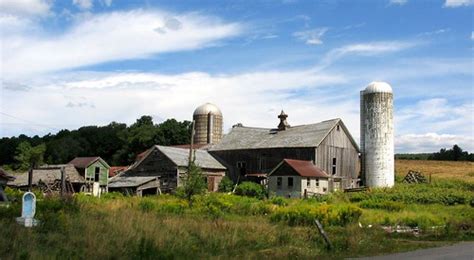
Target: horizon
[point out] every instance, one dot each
(68, 64)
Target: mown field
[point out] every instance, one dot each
(229, 226)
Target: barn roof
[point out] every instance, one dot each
(5, 176)
(240, 138)
(302, 168)
(180, 157)
(84, 162)
(48, 174)
(126, 182)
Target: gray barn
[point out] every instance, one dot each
(249, 151)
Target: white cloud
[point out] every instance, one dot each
(472, 36)
(112, 36)
(458, 3)
(432, 142)
(83, 4)
(311, 37)
(398, 2)
(253, 99)
(25, 7)
(367, 49)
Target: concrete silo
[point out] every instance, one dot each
(376, 134)
(208, 124)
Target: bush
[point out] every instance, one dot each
(305, 214)
(226, 184)
(280, 201)
(251, 189)
(386, 205)
(146, 205)
(194, 183)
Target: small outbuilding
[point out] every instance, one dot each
(297, 179)
(140, 186)
(94, 170)
(170, 166)
(48, 178)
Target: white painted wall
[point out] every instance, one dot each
(299, 185)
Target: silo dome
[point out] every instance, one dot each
(208, 122)
(378, 87)
(206, 109)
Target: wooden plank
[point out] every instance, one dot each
(323, 234)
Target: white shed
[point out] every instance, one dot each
(295, 178)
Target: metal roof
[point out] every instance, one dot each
(378, 87)
(206, 109)
(312, 135)
(125, 182)
(5, 176)
(180, 157)
(84, 162)
(303, 168)
(48, 174)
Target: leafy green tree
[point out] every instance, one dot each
(28, 156)
(226, 184)
(194, 183)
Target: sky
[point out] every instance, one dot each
(71, 63)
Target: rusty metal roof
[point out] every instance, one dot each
(48, 174)
(84, 162)
(243, 138)
(303, 168)
(5, 176)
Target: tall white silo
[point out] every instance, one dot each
(377, 145)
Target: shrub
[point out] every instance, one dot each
(386, 205)
(305, 214)
(194, 183)
(280, 201)
(251, 189)
(226, 184)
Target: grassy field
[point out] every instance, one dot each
(227, 226)
(438, 169)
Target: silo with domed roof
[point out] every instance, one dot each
(208, 122)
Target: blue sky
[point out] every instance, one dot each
(66, 64)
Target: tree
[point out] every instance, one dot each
(28, 156)
(194, 183)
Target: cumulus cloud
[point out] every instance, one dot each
(110, 37)
(311, 37)
(253, 99)
(432, 142)
(458, 3)
(25, 7)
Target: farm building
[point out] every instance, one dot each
(4, 178)
(140, 186)
(297, 179)
(94, 170)
(169, 165)
(248, 151)
(48, 178)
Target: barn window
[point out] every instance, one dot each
(242, 167)
(333, 166)
(308, 182)
(337, 128)
(279, 181)
(290, 182)
(97, 174)
(317, 182)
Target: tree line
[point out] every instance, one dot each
(454, 154)
(116, 143)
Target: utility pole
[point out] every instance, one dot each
(191, 145)
(63, 181)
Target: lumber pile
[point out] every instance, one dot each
(415, 177)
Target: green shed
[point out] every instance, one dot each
(93, 169)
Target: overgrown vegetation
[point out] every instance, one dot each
(454, 154)
(231, 226)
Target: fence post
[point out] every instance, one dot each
(323, 233)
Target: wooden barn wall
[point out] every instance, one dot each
(338, 145)
(259, 160)
(157, 164)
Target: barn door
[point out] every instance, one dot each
(210, 183)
